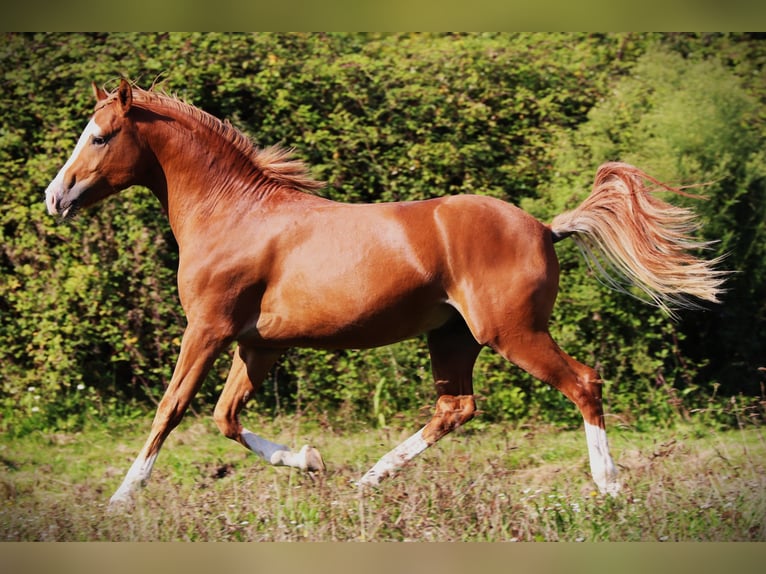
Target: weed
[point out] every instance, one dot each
(490, 485)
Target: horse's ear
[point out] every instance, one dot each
(98, 92)
(125, 95)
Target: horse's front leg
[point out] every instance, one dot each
(248, 370)
(198, 352)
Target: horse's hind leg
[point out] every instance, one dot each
(539, 355)
(453, 353)
(248, 370)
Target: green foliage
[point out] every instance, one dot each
(684, 120)
(89, 316)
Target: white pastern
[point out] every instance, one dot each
(56, 187)
(308, 458)
(395, 459)
(137, 476)
(262, 447)
(602, 466)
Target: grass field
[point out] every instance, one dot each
(485, 483)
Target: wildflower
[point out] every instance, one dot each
(80, 387)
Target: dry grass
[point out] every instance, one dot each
(477, 485)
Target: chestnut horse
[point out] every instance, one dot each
(269, 265)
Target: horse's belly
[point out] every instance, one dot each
(322, 330)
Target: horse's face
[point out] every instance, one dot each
(106, 159)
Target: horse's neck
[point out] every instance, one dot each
(196, 175)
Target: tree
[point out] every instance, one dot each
(685, 120)
(89, 317)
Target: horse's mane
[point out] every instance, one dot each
(275, 163)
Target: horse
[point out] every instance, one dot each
(266, 263)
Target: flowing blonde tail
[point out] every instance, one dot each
(634, 238)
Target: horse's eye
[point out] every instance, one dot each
(99, 140)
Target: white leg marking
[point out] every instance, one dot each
(262, 447)
(56, 187)
(137, 476)
(308, 458)
(601, 464)
(395, 459)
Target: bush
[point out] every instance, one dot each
(684, 120)
(89, 315)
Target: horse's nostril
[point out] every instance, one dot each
(70, 182)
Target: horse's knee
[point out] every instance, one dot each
(451, 412)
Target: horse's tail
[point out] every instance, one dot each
(634, 238)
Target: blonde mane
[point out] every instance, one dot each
(275, 163)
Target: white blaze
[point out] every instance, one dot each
(56, 188)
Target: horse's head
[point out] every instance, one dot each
(106, 159)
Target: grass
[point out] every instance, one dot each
(485, 483)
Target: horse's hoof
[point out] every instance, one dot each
(612, 488)
(311, 459)
(120, 504)
(370, 480)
